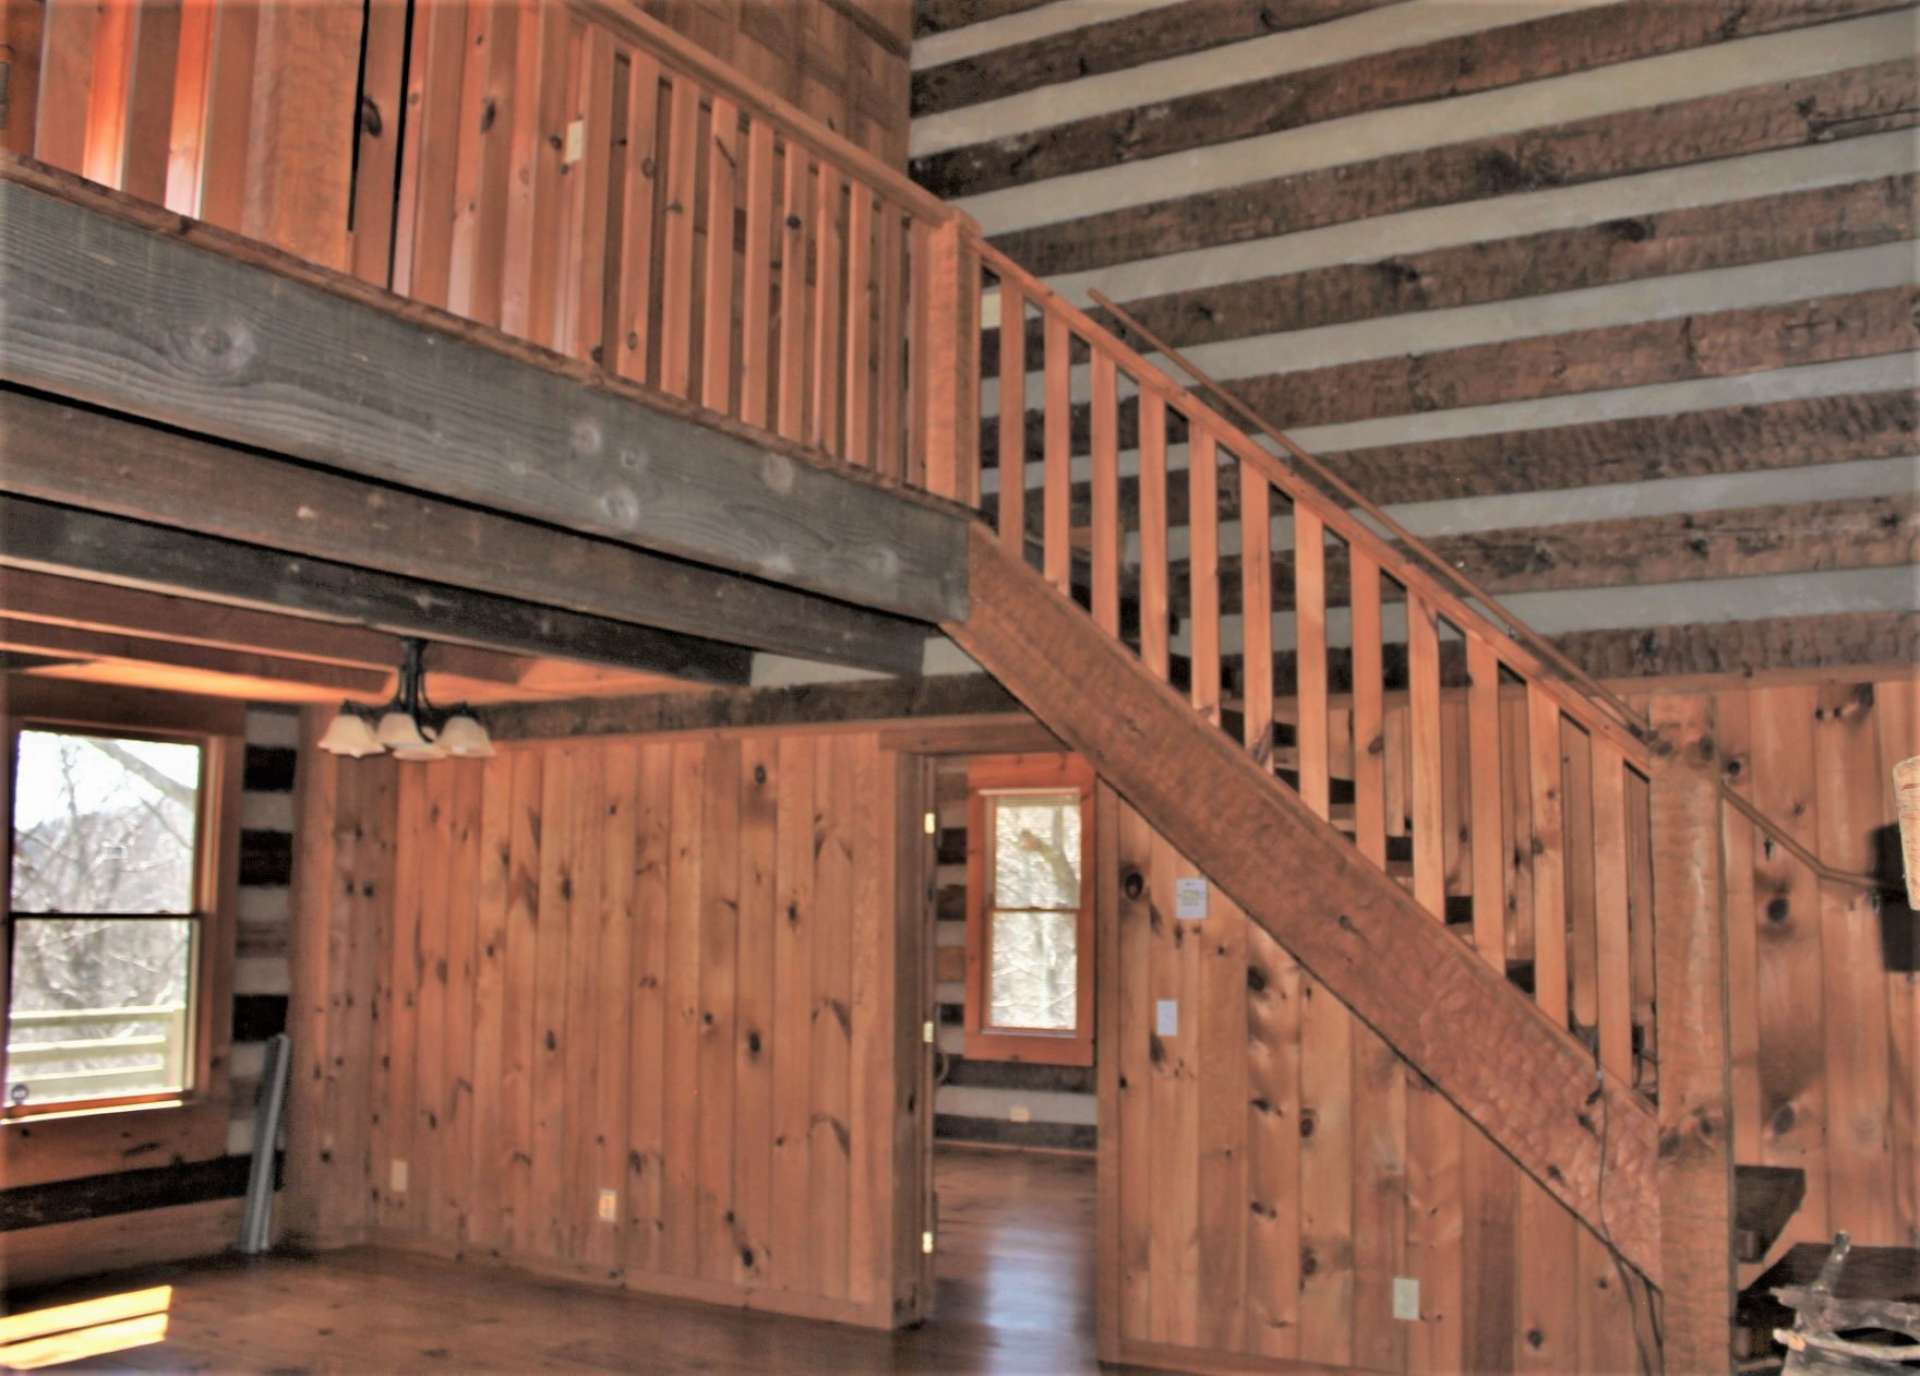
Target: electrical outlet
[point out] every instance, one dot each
(609, 1206)
(1406, 1299)
(397, 1178)
(1020, 1113)
(1166, 1017)
(576, 142)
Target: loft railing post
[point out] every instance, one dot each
(947, 361)
(1696, 1121)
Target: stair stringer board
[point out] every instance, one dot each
(1525, 1083)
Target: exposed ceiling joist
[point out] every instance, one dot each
(39, 536)
(29, 596)
(106, 307)
(74, 642)
(84, 458)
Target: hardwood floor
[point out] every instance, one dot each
(1015, 1298)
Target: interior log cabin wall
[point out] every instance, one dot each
(667, 969)
(1611, 301)
(1269, 1169)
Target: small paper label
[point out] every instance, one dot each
(1166, 1017)
(1190, 898)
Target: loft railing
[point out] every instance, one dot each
(65, 1055)
(1459, 758)
(581, 177)
(575, 175)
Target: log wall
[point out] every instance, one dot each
(1611, 300)
(631, 1015)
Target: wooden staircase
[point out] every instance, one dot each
(1350, 797)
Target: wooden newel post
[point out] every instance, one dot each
(947, 359)
(1696, 1120)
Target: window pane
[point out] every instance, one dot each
(103, 825)
(1033, 980)
(1036, 851)
(99, 1008)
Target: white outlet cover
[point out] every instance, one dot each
(1190, 898)
(1406, 1299)
(397, 1179)
(1166, 1017)
(1020, 1113)
(609, 1206)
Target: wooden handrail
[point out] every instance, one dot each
(1798, 851)
(1414, 545)
(1521, 658)
(682, 54)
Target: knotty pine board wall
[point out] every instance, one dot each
(1824, 998)
(1612, 301)
(1272, 1166)
(664, 968)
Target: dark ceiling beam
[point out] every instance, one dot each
(30, 596)
(55, 539)
(82, 643)
(80, 457)
(944, 697)
(111, 303)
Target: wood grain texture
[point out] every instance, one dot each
(81, 458)
(1248, 819)
(1167, 31)
(650, 1022)
(1709, 344)
(1784, 115)
(1624, 249)
(64, 540)
(608, 466)
(1697, 1145)
(1532, 50)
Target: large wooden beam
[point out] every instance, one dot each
(1556, 45)
(1456, 1019)
(36, 535)
(225, 338)
(1739, 542)
(96, 606)
(86, 458)
(1764, 229)
(1712, 344)
(1696, 1094)
(1189, 26)
(77, 642)
(1787, 114)
(947, 698)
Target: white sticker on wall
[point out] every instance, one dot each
(1166, 1017)
(1190, 898)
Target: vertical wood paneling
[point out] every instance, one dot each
(828, 1122)
(607, 971)
(797, 916)
(649, 1012)
(723, 180)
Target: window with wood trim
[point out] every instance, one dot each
(1029, 992)
(117, 934)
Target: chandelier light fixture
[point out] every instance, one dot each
(409, 727)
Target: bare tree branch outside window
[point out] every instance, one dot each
(102, 890)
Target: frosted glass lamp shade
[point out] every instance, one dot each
(399, 731)
(464, 736)
(348, 734)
